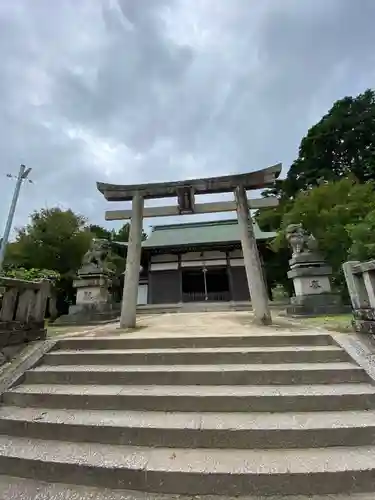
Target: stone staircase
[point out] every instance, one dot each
(273, 414)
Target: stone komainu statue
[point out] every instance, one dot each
(95, 259)
(299, 240)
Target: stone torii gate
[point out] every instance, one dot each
(185, 192)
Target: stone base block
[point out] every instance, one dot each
(15, 335)
(321, 299)
(364, 321)
(16, 332)
(365, 314)
(316, 305)
(363, 326)
(89, 313)
(332, 310)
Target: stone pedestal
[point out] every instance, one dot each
(312, 286)
(93, 302)
(92, 293)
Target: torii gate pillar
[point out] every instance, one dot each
(133, 264)
(253, 266)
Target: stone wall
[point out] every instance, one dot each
(22, 311)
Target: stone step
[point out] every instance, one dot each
(192, 430)
(198, 356)
(265, 398)
(193, 471)
(261, 374)
(266, 339)
(12, 488)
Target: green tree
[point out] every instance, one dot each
(270, 219)
(341, 144)
(276, 265)
(100, 232)
(123, 233)
(328, 212)
(362, 236)
(54, 239)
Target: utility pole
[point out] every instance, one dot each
(22, 175)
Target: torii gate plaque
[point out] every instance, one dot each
(185, 192)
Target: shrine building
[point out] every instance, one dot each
(196, 262)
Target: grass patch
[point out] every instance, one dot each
(338, 323)
(52, 330)
(130, 330)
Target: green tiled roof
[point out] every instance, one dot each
(222, 231)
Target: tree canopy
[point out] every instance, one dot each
(121, 234)
(100, 232)
(53, 239)
(341, 144)
(324, 188)
(336, 213)
(362, 236)
(57, 239)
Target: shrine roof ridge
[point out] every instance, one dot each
(258, 179)
(202, 223)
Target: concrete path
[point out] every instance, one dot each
(194, 323)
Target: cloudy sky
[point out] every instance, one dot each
(129, 91)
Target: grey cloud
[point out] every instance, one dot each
(132, 69)
(130, 91)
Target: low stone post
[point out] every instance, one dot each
(22, 312)
(356, 285)
(9, 296)
(133, 265)
(360, 280)
(369, 281)
(254, 272)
